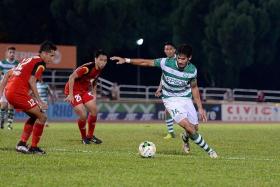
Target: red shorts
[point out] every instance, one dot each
(82, 98)
(20, 101)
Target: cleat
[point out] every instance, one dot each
(212, 154)
(186, 147)
(186, 144)
(169, 136)
(9, 126)
(22, 147)
(85, 141)
(36, 150)
(95, 140)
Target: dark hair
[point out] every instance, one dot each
(47, 46)
(169, 43)
(185, 49)
(100, 52)
(11, 48)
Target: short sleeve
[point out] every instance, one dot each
(38, 70)
(157, 62)
(81, 71)
(192, 72)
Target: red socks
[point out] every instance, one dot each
(91, 126)
(31, 127)
(27, 129)
(37, 133)
(82, 127)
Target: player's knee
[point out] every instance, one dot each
(83, 116)
(42, 119)
(93, 113)
(3, 105)
(190, 128)
(31, 120)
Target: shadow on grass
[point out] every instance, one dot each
(171, 152)
(7, 149)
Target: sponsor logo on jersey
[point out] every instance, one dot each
(175, 81)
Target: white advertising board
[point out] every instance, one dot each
(254, 112)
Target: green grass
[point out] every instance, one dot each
(249, 155)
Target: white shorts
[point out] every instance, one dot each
(181, 108)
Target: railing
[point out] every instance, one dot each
(58, 78)
(213, 93)
(137, 92)
(245, 94)
(271, 95)
(104, 87)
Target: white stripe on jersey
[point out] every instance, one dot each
(42, 90)
(173, 94)
(176, 72)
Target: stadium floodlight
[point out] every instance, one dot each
(140, 41)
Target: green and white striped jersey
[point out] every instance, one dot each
(5, 65)
(43, 90)
(175, 83)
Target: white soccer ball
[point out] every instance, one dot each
(147, 149)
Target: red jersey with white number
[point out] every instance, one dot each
(19, 80)
(86, 73)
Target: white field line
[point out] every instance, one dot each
(86, 151)
(164, 155)
(248, 158)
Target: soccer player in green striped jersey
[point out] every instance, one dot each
(169, 50)
(179, 85)
(5, 66)
(45, 91)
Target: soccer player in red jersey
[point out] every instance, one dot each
(81, 93)
(22, 81)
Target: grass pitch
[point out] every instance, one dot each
(249, 155)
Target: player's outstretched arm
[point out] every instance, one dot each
(134, 61)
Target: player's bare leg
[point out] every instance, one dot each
(185, 137)
(197, 138)
(92, 108)
(80, 110)
(47, 123)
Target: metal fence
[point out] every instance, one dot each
(58, 78)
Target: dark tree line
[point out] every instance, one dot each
(236, 42)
